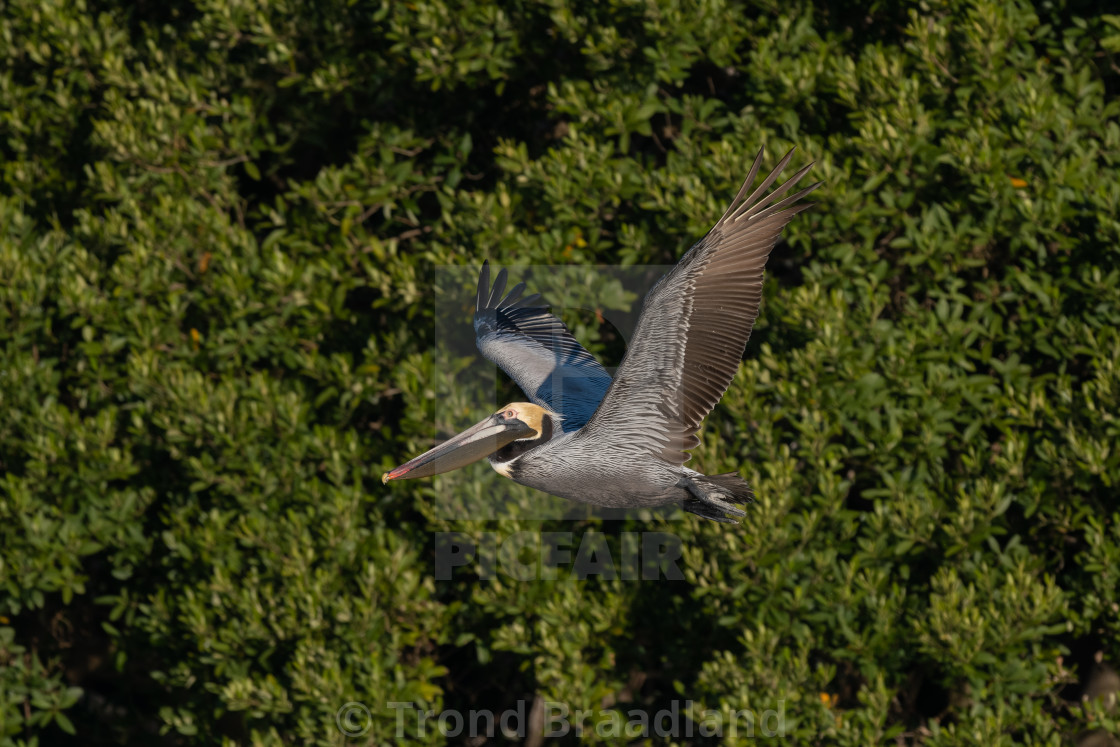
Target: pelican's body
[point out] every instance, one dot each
(585, 470)
(623, 442)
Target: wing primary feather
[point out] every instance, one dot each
(513, 295)
(528, 301)
(481, 301)
(499, 287)
(743, 189)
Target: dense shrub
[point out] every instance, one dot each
(219, 229)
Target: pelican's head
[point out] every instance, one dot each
(516, 422)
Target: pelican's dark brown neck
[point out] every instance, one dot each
(516, 448)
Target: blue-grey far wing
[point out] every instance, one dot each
(537, 351)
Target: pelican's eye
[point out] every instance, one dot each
(510, 414)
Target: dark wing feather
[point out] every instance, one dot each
(537, 351)
(695, 324)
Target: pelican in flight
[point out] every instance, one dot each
(624, 442)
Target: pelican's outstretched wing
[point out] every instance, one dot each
(694, 326)
(537, 351)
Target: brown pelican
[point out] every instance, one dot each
(623, 443)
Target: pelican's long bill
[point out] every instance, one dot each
(476, 442)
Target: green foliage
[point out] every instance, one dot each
(220, 225)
